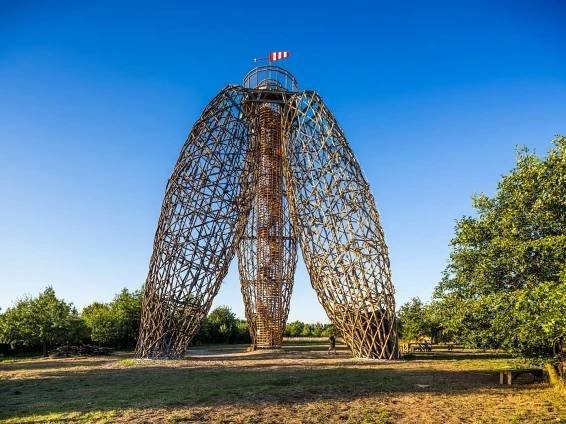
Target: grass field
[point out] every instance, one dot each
(300, 384)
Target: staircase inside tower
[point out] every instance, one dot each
(267, 251)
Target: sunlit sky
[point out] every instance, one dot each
(96, 100)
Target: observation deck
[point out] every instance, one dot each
(272, 78)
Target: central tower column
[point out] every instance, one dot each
(267, 251)
(269, 227)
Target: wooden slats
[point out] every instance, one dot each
(262, 171)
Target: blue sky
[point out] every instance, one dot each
(97, 99)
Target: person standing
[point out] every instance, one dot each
(332, 344)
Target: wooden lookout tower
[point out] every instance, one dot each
(266, 170)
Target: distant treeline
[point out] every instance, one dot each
(44, 322)
(504, 286)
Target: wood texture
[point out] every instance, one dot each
(339, 232)
(267, 253)
(203, 215)
(265, 169)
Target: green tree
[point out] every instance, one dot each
(317, 329)
(307, 330)
(101, 323)
(417, 320)
(412, 320)
(126, 308)
(222, 325)
(294, 329)
(504, 284)
(328, 330)
(243, 331)
(300, 329)
(44, 320)
(116, 323)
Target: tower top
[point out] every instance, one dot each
(270, 77)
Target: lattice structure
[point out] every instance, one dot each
(265, 168)
(340, 236)
(267, 253)
(203, 215)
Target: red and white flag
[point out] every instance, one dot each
(273, 56)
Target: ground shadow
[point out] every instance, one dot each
(456, 355)
(38, 364)
(189, 384)
(290, 352)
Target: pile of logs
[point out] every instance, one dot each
(81, 350)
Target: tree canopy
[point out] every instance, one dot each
(301, 329)
(418, 320)
(505, 283)
(43, 320)
(116, 323)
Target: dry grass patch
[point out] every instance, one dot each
(301, 385)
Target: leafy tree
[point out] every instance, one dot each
(222, 325)
(504, 285)
(126, 308)
(116, 323)
(203, 335)
(307, 331)
(243, 332)
(44, 320)
(328, 329)
(77, 331)
(412, 320)
(418, 320)
(317, 329)
(294, 329)
(300, 329)
(101, 323)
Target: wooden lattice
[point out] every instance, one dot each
(267, 252)
(338, 229)
(203, 214)
(266, 168)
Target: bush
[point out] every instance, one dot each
(300, 329)
(117, 323)
(41, 322)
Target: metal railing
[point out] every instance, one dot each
(272, 78)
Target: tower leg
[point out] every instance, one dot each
(338, 229)
(202, 217)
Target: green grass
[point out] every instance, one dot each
(306, 385)
(128, 362)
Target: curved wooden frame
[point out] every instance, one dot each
(338, 228)
(265, 169)
(203, 215)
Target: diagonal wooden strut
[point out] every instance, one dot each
(267, 252)
(338, 228)
(265, 169)
(203, 215)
